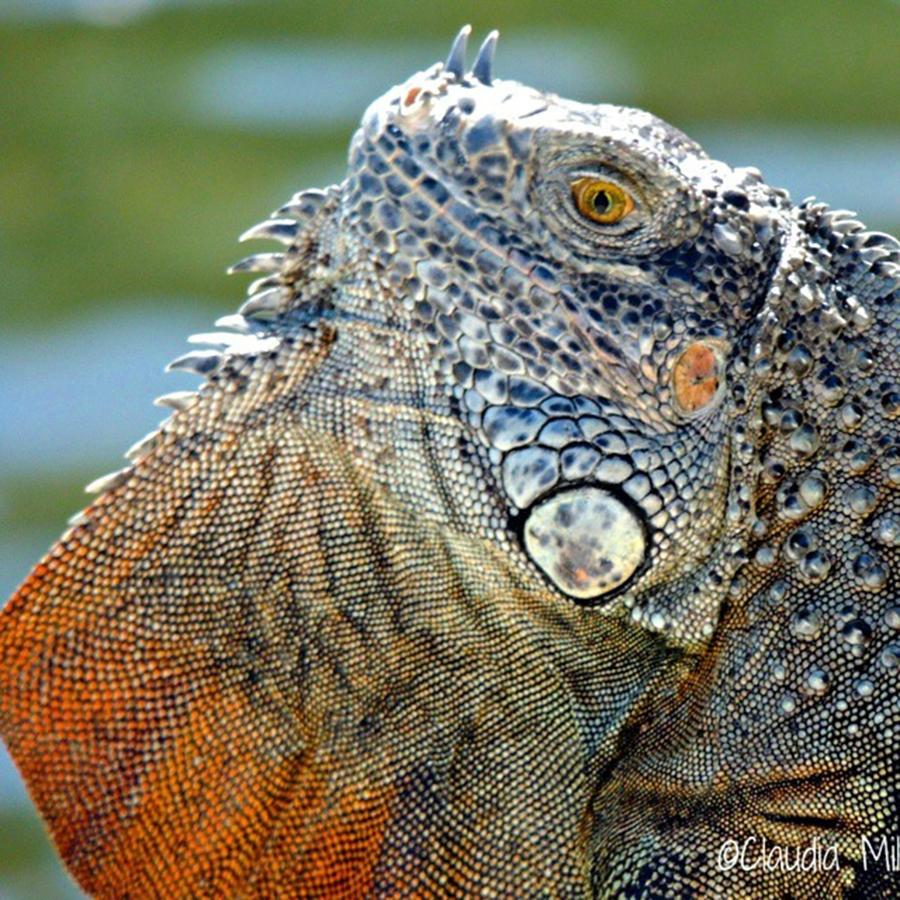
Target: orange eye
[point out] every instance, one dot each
(601, 201)
(696, 377)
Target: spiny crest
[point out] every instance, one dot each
(247, 333)
(482, 68)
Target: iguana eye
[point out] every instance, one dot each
(601, 201)
(697, 377)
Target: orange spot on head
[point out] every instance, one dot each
(411, 95)
(696, 378)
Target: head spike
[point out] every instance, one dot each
(456, 61)
(483, 67)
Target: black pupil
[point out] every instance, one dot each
(602, 202)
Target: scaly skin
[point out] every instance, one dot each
(502, 551)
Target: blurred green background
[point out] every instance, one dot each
(139, 137)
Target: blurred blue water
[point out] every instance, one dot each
(77, 393)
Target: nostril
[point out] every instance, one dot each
(587, 541)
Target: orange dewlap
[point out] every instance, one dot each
(151, 771)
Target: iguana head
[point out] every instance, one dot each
(587, 281)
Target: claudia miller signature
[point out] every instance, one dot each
(757, 854)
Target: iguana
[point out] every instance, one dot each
(534, 533)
